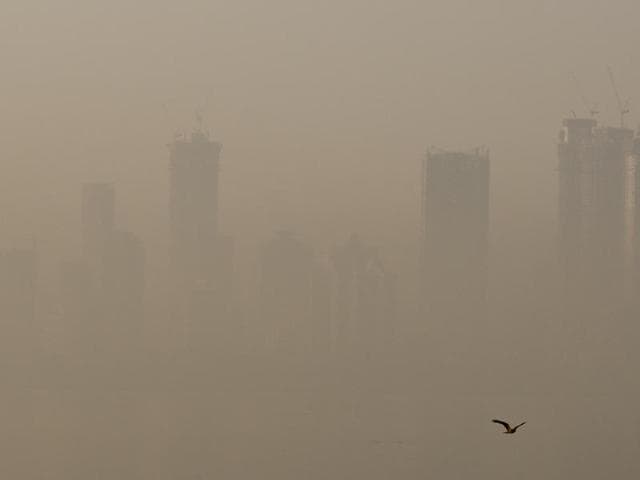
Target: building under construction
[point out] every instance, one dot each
(193, 204)
(455, 214)
(595, 213)
(200, 257)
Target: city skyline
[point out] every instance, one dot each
(307, 240)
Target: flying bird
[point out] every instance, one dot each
(508, 428)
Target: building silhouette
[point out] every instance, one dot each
(200, 258)
(455, 216)
(102, 293)
(364, 302)
(593, 212)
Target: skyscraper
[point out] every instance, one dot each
(593, 212)
(455, 210)
(101, 294)
(199, 256)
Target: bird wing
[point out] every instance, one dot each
(518, 426)
(504, 424)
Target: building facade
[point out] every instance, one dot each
(200, 258)
(595, 213)
(455, 217)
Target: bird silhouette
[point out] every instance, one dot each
(508, 428)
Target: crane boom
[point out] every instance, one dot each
(623, 108)
(591, 108)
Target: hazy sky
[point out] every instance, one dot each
(325, 109)
(322, 94)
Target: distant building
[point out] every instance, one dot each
(102, 293)
(364, 304)
(19, 336)
(193, 206)
(593, 212)
(200, 258)
(455, 211)
(340, 302)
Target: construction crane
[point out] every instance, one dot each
(623, 108)
(591, 108)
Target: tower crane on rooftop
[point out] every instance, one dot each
(623, 108)
(591, 108)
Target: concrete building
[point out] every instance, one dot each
(455, 216)
(594, 214)
(102, 293)
(193, 208)
(200, 258)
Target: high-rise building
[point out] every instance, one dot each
(593, 211)
(102, 293)
(194, 167)
(200, 258)
(455, 210)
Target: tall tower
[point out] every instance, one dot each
(102, 293)
(199, 267)
(194, 165)
(593, 212)
(455, 209)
